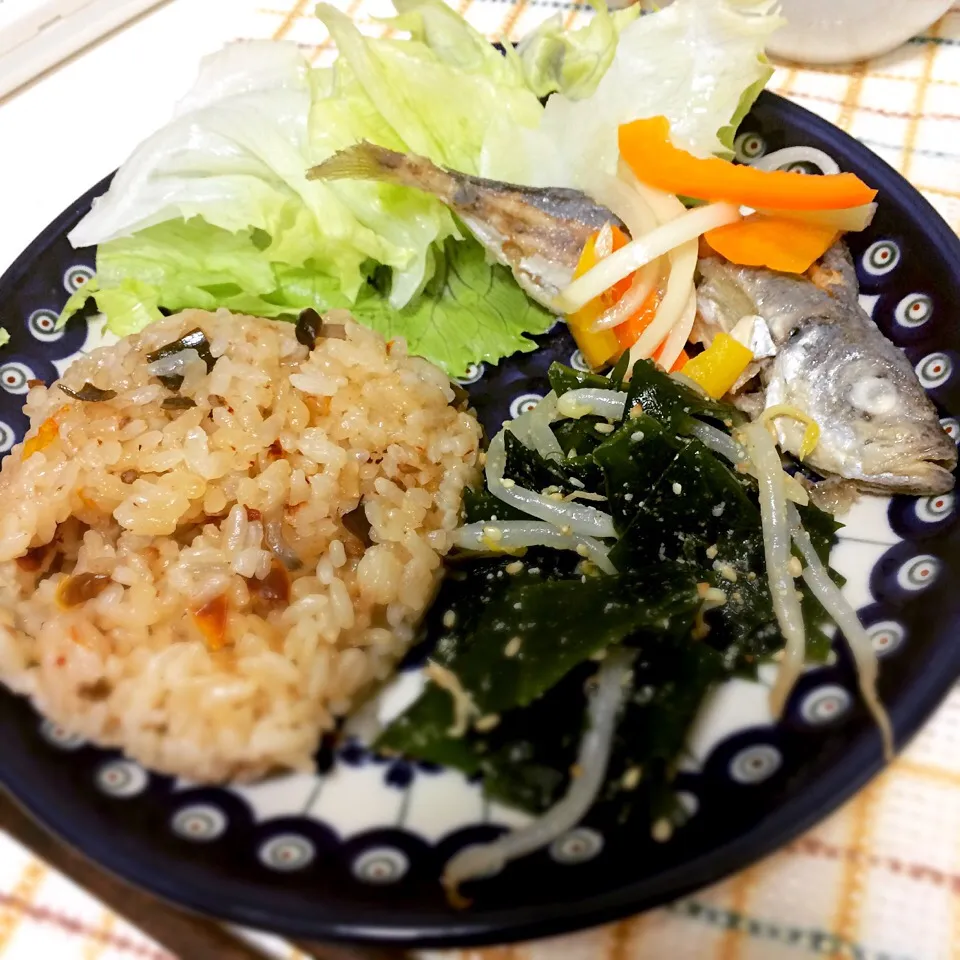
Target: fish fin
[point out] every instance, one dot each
(364, 161)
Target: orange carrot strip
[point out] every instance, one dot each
(629, 331)
(759, 240)
(645, 145)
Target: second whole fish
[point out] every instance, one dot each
(538, 233)
(828, 360)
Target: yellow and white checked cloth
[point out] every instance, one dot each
(879, 880)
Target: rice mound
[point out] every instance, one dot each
(141, 604)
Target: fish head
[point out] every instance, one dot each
(876, 424)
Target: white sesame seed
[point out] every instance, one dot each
(631, 778)
(513, 568)
(487, 723)
(582, 549)
(711, 551)
(677, 489)
(794, 567)
(508, 483)
(493, 533)
(637, 436)
(725, 570)
(604, 428)
(662, 830)
(449, 619)
(513, 647)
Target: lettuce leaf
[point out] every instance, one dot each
(572, 62)
(439, 106)
(471, 311)
(215, 211)
(700, 63)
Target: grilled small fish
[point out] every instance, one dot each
(877, 426)
(538, 233)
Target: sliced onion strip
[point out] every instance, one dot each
(529, 533)
(639, 252)
(643, 283)
(592, 760)
(632, 207)
(776, 547)
(864, 657)
(852, 219)
(781, 158)
(679, 334)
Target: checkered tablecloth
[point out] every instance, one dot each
(879, 880)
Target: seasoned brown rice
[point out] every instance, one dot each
(134, 528)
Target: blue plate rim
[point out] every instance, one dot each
(402, 926)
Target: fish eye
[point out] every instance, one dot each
(873, 396)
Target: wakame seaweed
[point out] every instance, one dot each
(523, 633)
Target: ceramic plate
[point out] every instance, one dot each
(355, 851)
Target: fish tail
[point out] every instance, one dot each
(367, 161)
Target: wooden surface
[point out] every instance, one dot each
(185, 935)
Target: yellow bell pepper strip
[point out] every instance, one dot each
(646, 146)
(719, 366)
(778, 243)
(598, 347)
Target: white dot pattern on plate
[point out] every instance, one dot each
(287, 852)
(381, 865)
(881, 257)
(934, 509)
(918, 573)
(951, 427)
(15, 377)
(755, 764)
(55, 735)
(75, 277)
(576, 846)
(7, 438)
(914, 310)
(579, 362)
(42, 325)
(122, 779)
(200, 821)
(886, 636)
(934, 370)
(749, 146)
(524, 403)
(825, 704)
(472, 374)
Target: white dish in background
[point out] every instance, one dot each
(36, 35)
(840, 31)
